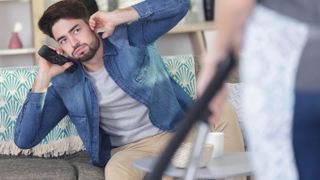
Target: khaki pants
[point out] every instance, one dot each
(120, 166)
(229, 125)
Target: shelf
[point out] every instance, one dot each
(192, 27)
(7, 52)
(14, 0)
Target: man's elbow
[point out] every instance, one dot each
(184, 7)
(22, 143)
(187, 4)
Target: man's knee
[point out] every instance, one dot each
(120, 167)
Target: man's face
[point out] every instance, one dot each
(76, 38)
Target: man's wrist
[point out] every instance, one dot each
(41, 83)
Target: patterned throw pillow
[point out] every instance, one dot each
(182, 70)
(15, 83)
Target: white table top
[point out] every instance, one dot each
(227, 166)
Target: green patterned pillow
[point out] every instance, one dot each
(182, 69)
(15, 83)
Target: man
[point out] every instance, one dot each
(120, 98)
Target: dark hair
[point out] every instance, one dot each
(66, 9)
(91, 5)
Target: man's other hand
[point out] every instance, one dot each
(208, 68)
(103, 21)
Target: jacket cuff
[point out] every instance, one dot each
(143, 9)
(35, 97)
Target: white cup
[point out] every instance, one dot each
(217, 140)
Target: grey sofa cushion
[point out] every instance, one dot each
(69, 167)
(87, 171)
(30, 168)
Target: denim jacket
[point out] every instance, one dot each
(133, 63)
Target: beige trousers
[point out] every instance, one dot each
(120, 166)
(229, 125)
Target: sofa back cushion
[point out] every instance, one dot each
(15, 83)
(182, 70)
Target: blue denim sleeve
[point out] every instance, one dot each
(39, 115)
(157, 17)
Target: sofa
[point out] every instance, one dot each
(61, 155)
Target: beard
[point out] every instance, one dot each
(93, 48)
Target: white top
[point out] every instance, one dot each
(122, 117)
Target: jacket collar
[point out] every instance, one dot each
(109, 49)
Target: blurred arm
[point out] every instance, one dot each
(231, 19)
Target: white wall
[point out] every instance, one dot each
(177, 44)
(174, 44)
